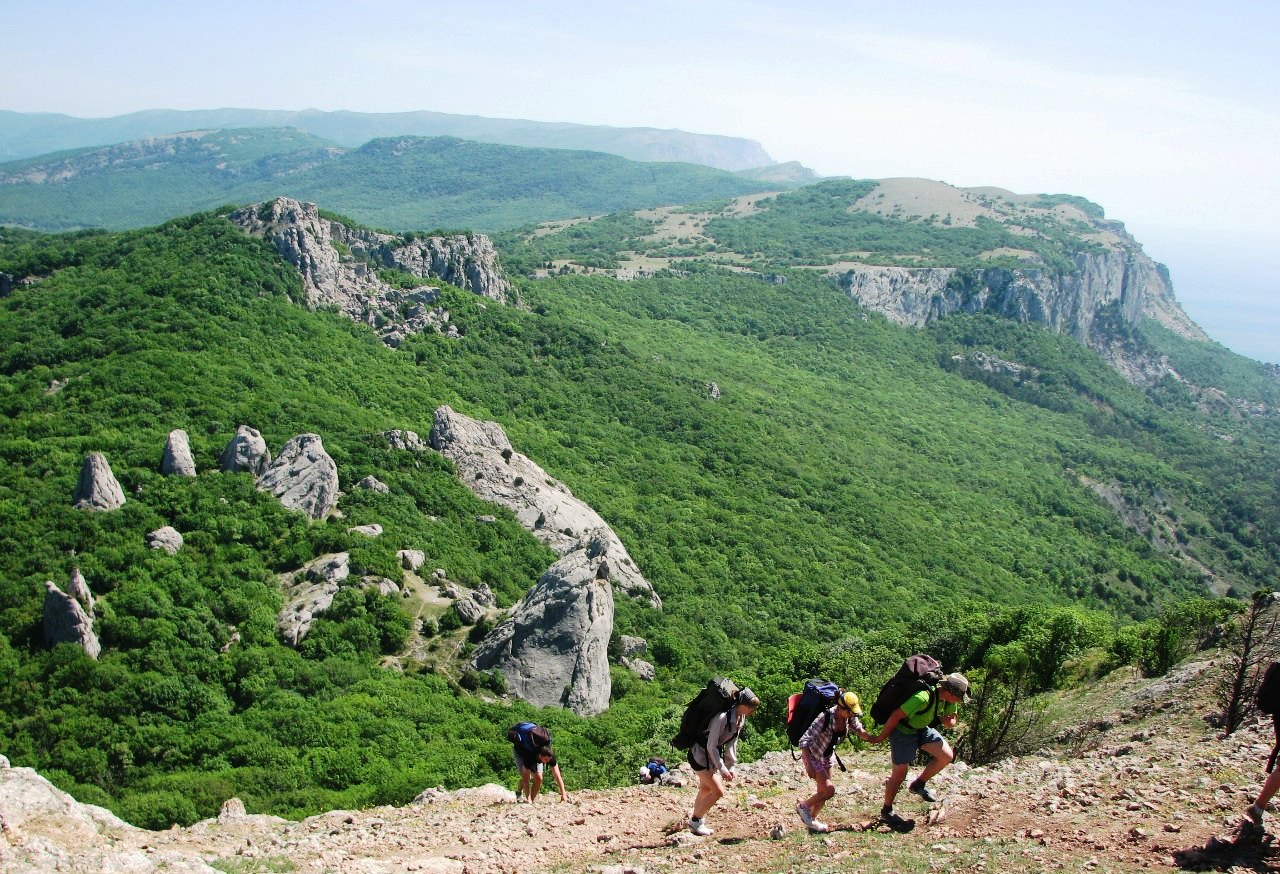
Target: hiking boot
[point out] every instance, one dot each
(923, 791)
(805, 816)
(895, 822)
(698, 827)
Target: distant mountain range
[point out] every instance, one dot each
(401, 182)
(25, 135)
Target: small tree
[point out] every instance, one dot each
(1001, 720)
(1252, 644)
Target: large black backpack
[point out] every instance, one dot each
(1268, 702)
(719, 695)
(918, 673)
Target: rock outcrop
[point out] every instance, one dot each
(65, 621)
(339, 267)
(554, 646)
(408, 441)
(495, 472)
(45, 829)
(246, 453)
(373, 484)
(167, 538)
(177, 460)
(308, 592)
(303, 477)
(97, 488)
(78, 588)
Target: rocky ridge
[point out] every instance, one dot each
(339, 267)
(1135, 782)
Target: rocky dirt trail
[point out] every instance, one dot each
(1139, 782)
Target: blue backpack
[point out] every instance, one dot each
(529, 736)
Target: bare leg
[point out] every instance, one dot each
(825, 791)
(894, 783)
(942, 755)
(710, 790)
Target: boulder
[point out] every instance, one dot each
(78, 588)
(553, 647)
(98, 488)
(633, 646)
(177, 460)
(308, 592)
(373, 484)
(489, 466)
(246, 453)
(468, 611)
(642, 669)
(411, 559)
(303, 477)
(65, 621)
(166, 538)
(483, 595)
(366, 530)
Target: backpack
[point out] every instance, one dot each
(1268, 701)
(918, 673)
(529, 736)
(719, 696)
(803, 708)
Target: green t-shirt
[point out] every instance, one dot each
(920, 714)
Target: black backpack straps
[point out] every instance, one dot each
(1275, 750)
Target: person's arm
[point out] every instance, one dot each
(950, 715)
(714, 731)
(898, 716)
(731, 749)
(555, 771)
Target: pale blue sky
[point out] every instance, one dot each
(1167, 114)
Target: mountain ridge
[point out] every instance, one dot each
(25, 135)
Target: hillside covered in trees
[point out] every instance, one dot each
(809, 487)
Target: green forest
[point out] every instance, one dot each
(856, 492)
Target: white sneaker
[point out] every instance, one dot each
(819, 827)
(698, 827)
(805, 816)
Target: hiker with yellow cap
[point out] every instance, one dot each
(817, 747)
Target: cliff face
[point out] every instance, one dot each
(339, 266)
(1123, 281)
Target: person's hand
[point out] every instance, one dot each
(564, 797)
(728, 775)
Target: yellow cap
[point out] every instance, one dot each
(849, 701)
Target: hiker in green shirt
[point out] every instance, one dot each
(910, 730)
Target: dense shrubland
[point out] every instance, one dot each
(847, 500)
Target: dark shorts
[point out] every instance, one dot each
(528, 760)
(905, 745)
(693, 763)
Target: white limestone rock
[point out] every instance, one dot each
(167, 538)
(65, 621)
(246, 453)
(489, 466)
(553, 647)
(303, 477)
(97, 488)
(177, 459)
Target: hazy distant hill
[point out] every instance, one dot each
(27, 134)
(400, 182)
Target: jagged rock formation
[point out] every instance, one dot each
(177, 460)
(65, 621)
(405, 440)
(78, 588)
(495, 472)
(642, 669)
(468, 611)
(97, 488)
(308, 592)
(553, 648)
(167, 538)
(339, 267)
(303, 477)
(246, 453)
